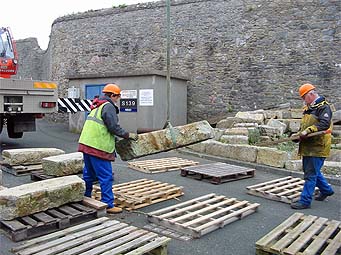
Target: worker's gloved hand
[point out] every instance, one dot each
(303, 135)
(133, 136)
(295, 135)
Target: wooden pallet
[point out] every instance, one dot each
(160, 165)
(202, 215)
(19, 170)
(140, 193)
(100, 236)
(40, 175)
(38, 224)
(302, 234)
(218, 173)
(286, 190)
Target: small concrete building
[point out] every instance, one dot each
(144, 99)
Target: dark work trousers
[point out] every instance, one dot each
(313, 178)
(96, 168)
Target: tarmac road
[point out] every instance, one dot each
(237, 238)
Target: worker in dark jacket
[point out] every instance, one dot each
(97, 142)
(317, 116)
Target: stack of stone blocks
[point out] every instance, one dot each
(232, 136)
(30, 198)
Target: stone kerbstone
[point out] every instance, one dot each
(218, 133)
(65, 164)
(35, 197)
(164, 140)
(237, 131)
(267, 130)
(273, 114)
(332, 167)
(271, 157)
(256, 117)
(296, 113)
(277, 124)
(231, 121)
(234, 139)
(233, 151)
(200, 147)
(335, 155)
(28, 156)
(293, 165)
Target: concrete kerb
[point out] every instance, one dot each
(331, 179)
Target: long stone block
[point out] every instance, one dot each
(35, 197)
(164, 140)
(28, 156)
(64, 164)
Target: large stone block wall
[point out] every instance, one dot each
(238, 54)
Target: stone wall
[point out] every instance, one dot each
(238, 54)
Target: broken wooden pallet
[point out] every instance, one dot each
(202, 215)
(140, 193)
(100, 236)
(302, 234)
(218, 173)
(19, 170)
(40, 175)
(286, 190)
(160, 165)
(51, 220)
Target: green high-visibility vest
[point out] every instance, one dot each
(95, 134)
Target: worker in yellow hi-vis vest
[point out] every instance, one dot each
(97, 142)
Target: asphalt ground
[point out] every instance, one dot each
(237, 238)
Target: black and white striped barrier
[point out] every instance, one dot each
(73, 105)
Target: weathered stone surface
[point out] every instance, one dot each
(237, 131)
(266, 130)
(277, 124)
(29, 155)
(293, 165)
(271, 157)
(65, 164)
(234, 139)
(231, 121)
(335, 155)
(30, 198)
(0, 177)
(218, 133)
(234, 151)
(296, 113)
(164, 140)
(256, 117)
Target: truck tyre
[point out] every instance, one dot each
(10, 130)
(1, 124)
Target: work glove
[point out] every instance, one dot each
(133, 136)
(303, 134)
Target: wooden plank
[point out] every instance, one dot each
(320, 239)
(122, 230)
(199, 216)
(73, 244)
(302, 240)
(294, 233)
(334, 245)
(160, 165)
(42, 216)
(29, 221)
(69, 210)
(158, 242)
(110, 246)
(276, 232)
(60, 233)
(302, 234)
(94, 203)
(141, 193)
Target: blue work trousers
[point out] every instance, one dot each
(101, 170)
(313, 178)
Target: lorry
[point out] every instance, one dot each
(21, 101)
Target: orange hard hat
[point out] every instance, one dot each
(112, 88)
(305, 88)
